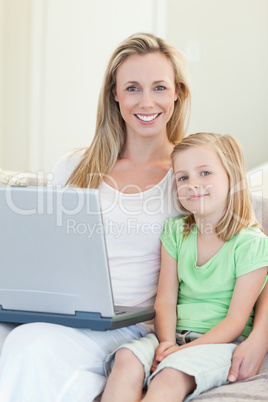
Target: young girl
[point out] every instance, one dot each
(214, 263)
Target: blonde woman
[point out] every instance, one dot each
(214, 264)
(143, 108)
(142, 112)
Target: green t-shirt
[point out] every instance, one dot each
(205, 292)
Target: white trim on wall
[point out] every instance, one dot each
(1, 79)
(160, 13)
(36, 83)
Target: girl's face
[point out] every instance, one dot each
(145, 91)
(202, 181)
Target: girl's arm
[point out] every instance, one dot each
(166, 305)
(245, 293)
(249, 355)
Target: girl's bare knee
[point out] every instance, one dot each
(123, 357)
(126, 361)
(175, 381)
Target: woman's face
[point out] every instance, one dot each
(145, 90)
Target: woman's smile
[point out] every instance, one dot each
(147, 118)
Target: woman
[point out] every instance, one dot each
(142, 113)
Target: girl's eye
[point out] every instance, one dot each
(182, 178)
(160, 88)
(205, 173)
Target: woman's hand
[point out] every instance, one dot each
(247, 359)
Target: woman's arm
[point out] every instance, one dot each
(249, 355)
(245, 293)
(166, 305)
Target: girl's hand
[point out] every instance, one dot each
(171, 350)
(158, 357)
(174, 349)
(247, 359)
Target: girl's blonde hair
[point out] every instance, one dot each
(110, 134)
(239, 212)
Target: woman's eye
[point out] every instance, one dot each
(160, 88)
(132, 89)
(205, 173)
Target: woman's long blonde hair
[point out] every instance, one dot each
(239, 212)
(110, 134)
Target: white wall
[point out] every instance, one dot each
(226, 43)
(15, 81)
(1, 78)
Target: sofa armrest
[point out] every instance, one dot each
(13, 178)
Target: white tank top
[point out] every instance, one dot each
(133, 224)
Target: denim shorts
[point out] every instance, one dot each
(208, 364)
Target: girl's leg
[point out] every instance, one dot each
(126, 378)
(47, 362)
(191, 370)
(170, 385)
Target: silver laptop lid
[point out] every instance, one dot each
(52, 251)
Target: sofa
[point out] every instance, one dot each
(252, 389)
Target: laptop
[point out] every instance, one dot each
(53, 260)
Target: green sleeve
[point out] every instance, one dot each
(172, 236)
(252, 252)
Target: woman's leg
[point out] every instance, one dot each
(47, 362)
(126, 378)
(5, 329)
(170, 385)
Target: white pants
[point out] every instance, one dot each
(52, 363)
(5, 329)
